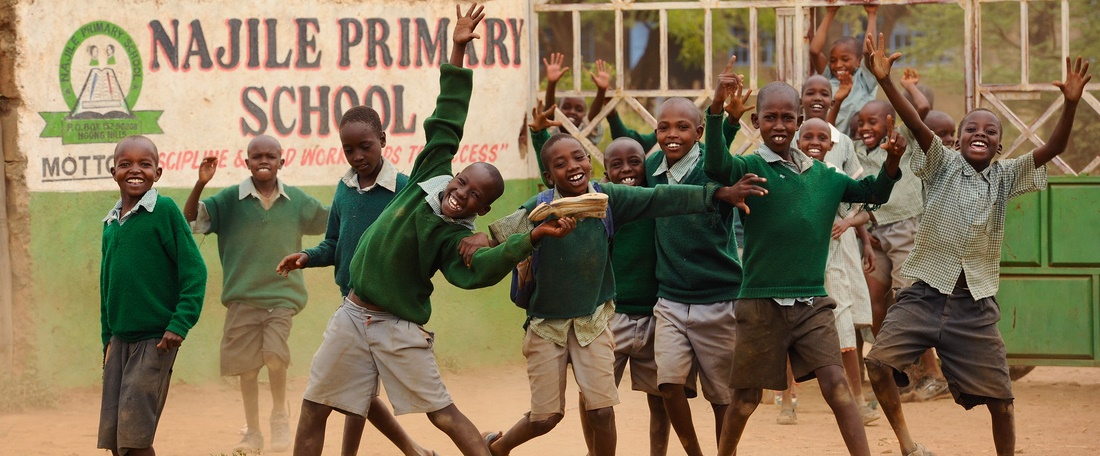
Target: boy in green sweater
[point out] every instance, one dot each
(256, 221)
(151, 286)
(361, 195)
(781, 308)
(377, 335)
(573, 299)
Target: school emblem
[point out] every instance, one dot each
(100, 76)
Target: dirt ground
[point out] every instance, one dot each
(1057, 409)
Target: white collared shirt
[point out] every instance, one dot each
(434, 188)
(147, 201)
(387, 178)
(678, 171)
(246, 188)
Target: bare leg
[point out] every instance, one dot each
(851, 370)
(880, 301)
(679, 413)
(250, 393)
(461, 431)
(586, 428)
(310, 438)
(744, 403)
(719, 417)
(276, 374)
(886, 391)
(786, 413)
(1004, 426)
(380, 417)
(141, 452)
(603, 426)
(839, 397)
(353, 433)
(525, 429)
(931, 366)
(658, 426)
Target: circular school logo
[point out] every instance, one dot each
(100, 74)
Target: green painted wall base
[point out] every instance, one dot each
(473, 328)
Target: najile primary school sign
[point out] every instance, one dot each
(202, 78)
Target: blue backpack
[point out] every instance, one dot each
(523, 275)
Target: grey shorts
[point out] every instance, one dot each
(962, 330)
(634, 346)
(249, 332)
(362, 348)
(695, 337)
(768, 333)
(547, 367)
(135, 386)
(897, 240)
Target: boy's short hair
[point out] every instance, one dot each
(686, 103)
(886, 108)
(362, 113)
(852, 43)
(777, 89)
(133, 138)
(972, 111)
(928, 93)
(494, 174)
(550, 143)
(812, 78)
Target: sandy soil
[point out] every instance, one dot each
(1058, 413)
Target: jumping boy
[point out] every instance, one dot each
(956, 259)
(842, 64)
(256, 221)
(363, 191)
(377, 334)
(151, 285)
(782, 309)
(575, 108)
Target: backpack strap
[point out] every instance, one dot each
(608, 222)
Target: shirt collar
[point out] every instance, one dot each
(434, 188)
(557, 195)
(834, 134)
(387, 178)
(681, 168)
(148, 201)
(799, 160)
(247, 188)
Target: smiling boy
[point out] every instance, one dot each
(842, 65)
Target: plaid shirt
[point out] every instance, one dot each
(964, 217)
(907, 200)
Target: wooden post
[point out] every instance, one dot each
(7, 339)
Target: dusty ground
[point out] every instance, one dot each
(1058, 413)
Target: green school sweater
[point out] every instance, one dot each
(787, 231)
(152, 278)
(252, 241)
(348, 218)
(414, 242)
(648, 140)
(574, 273)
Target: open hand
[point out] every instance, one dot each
(845, 88)
(554, 68)
(470, 244)
(1077, 75)
(839, 227)
(207, 168)
(910, 78)
(748, 186)
(870, 8)
(541, 119)
(464, 28)
(169, 341)
(875, 56)
(292, 262)
(557, 228)
(869, 256)
(602, 76)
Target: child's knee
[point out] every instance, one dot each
(273, 362)
(746, 400)
(540, 427)
(1000, 407)
(601, 416)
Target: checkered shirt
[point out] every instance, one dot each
(962, 228)
(906, 201)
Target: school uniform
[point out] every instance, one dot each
(864, 90)
(844, 281)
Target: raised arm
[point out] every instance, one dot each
(541, 120)
(1072, 89)
(877, 189)
(602, 78)
(620, 130)
(554, 72)
(464, 32)
(909, 81)
(879, 64)
(841, 94)
(872, 18)
(817, 46)
(207, 168)
(718, 164)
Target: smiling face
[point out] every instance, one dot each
(776, 116)
(943, 126)
(817, 96)
(979, 138)
(679, 126)
(363, 148)
(844, 58)
(136, 167)
(624, 163)
(471, 192)
(871, 124)
(574, 108)
(265, 158)
(815, 139)
(567, 166)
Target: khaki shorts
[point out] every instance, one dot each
(962, 330)
(135, 387)
(699, 336)
(897, 240)
(769, 333)
(547, 364)
(633, 336)
(249, 332)
(362, 348)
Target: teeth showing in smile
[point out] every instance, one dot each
(672, 146)
(979, 145)
(779, 138)
(453, 203)
(627, 181)
(814, 150)
(135, 180)
(817, 106)
(576, 178)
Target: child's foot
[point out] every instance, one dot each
(787, 416)
(868, 414)
(280, 431)
(920, 451)
(779, 398)
(490, 438)
(931, 388)
(253, 441)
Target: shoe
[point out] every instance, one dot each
(787, 416)
(779, 399)
(280, 431)
(932, 388)
(253, 441)
(920, 451)
(868, 414)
